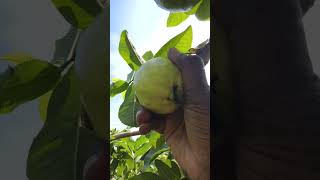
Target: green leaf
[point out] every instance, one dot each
(140, 141)
(25, 82)
(130, 164)
(203, 12)
(128, 52)
(194, 8)
(130, 76)
(64, 46)
(156, 154)
(167, 172)
(78, 13)
(156, 139)
(17, 58)
(147, 176)
(175, 168)
(176, 18)
(61, 148)
(118, 86)
(43, 105)
(147, 55)
(113, 165)
(64, 104)
(129, 108)
(143, 149)
(61, 156)
(182, 42)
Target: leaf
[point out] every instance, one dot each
(147, 176)
(61, 148)
(175, 168)
(147, 55)
(64, 104)
(118, 86)
(167, 172)
(62, 157)
(65, 45)
(130, 76)
(153, 137)
(128, 52)
(156, 139)
(78, 13)
(130, 164)
(129, 108)
(26, 82)
(194, 8)
(43, 105)
(17, 58)
(203, 12)
(176, 18)
(140, 141)
(182, 42)
(113, 165)
(142, 150)
(156, 154)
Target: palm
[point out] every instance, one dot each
(191, 154)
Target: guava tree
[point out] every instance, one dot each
(74, 131)
(151, 84)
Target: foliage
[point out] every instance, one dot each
(142, 158)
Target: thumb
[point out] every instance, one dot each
(195, 83)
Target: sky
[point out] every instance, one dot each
(146, 26)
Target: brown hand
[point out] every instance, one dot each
(187, 131)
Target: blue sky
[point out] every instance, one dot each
(146, 26)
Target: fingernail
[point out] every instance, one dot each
(173, 54)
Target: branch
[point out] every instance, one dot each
(126, 134)
(66, 64)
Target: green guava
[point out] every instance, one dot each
(92, 73)
(176, 5)
(158, 86)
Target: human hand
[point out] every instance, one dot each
(96, 166)
(187, 131)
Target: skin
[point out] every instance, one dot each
(98, 169)
(187, 131)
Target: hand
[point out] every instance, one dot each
(187, 131)
(96, 166)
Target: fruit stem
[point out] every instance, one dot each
(66, 64)
(126, 134)
(203, 50)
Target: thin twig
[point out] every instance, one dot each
(126, 134)
(66, 64)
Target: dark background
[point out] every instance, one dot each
(32, 27)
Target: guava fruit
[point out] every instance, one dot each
(158, 86)
(176, 5)
(92, 72)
